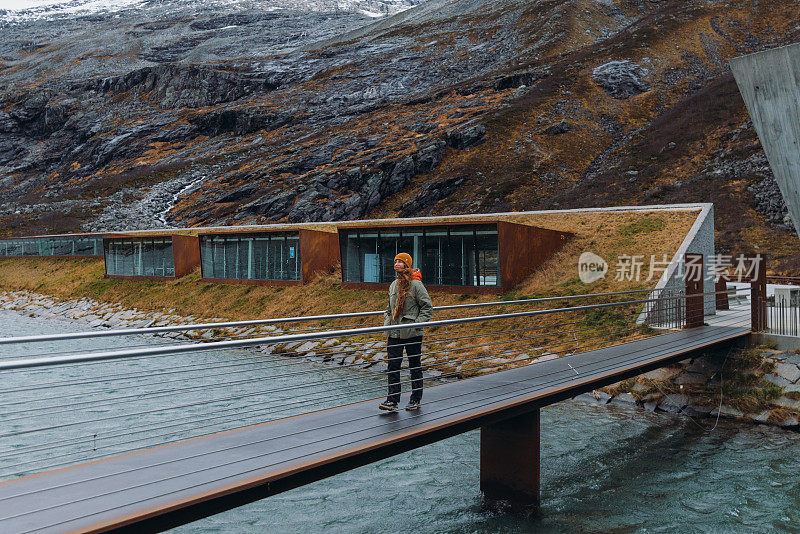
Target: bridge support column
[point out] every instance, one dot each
(510, 461)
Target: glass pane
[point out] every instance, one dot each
(149, 258)
(107, 257)
(169, 262)
(432, 258)
(260, 258)
(405, 243)
(488, 259)
(276, 258)
(243, 258)
(127, 257)
(387, 249)
(205, 257)
(453, 255)
(351, 268)
(295, 266)
(219, 258)
(369, 257)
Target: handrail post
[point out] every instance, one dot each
(693, 274)
(758, 294)
(721, 290)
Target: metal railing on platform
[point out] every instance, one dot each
(783, 317)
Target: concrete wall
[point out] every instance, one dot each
(700, 240)
(770, 84)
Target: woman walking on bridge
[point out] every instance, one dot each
(409, 303)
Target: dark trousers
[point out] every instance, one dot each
(394, 349)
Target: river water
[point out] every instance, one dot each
(604, 469)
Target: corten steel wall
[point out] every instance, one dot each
(770, 85)
(524, 248)
(185, 253)
(319, 252)
(521, 249)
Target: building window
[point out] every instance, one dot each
(139, 257)
(463, 255)
(263, 256)
(52, 246)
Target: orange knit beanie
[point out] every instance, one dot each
(405, 258)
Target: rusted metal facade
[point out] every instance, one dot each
(320, 251)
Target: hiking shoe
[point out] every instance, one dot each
(412, 405)
(389, 406)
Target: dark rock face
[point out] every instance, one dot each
(298, 114)
(181, 113)
(429, 196)
(361, 189)
(558, 129)
(769, 201)
(621, 79)
(465, 137)
(521, 79)
(178, 86)
(239, 122)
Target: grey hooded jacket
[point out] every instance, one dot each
(418, 309)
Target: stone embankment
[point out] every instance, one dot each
(757, 384)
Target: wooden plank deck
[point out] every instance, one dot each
(165, 486)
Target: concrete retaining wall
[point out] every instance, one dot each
(770, 85)
(700, 240)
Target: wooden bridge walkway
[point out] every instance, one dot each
(159, 488)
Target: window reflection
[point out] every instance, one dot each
(263, 256)
(139, 257)
(463, 255)
(52, 246)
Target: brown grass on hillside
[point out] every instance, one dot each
(648, 235)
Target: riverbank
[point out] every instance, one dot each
(755, 384)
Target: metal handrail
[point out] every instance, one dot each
(297, 319)
(237, 343)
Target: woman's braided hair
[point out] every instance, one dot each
(403, 282)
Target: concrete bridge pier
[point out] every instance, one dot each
(510, 461)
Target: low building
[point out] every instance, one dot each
(151, 256)
(454, 254)
(54, 246)
(268, 256)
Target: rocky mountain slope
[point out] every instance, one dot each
(169, 115)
